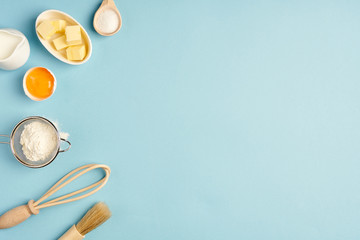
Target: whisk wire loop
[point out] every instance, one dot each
(64, 181)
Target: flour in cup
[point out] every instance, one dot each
(38, 141)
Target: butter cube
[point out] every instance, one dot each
(60, 43)
(73, 35)
(76, 53)
(59, 25)
(46, 29)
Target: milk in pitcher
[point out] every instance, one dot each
(8, 44)
(14, 49)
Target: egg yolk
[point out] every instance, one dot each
(40, 83)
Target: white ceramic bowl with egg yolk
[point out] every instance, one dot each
(27, 93)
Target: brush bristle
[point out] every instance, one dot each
(96, 216)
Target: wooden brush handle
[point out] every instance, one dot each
(72, 234)
(17, 215)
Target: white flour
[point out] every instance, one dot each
(63, 135)
(38, 140)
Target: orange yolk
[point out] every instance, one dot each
(40, 83)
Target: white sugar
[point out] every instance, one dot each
(108, 21)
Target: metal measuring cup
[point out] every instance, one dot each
(16, 147)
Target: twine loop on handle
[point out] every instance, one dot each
(64, 181)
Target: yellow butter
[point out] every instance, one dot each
(73, 35)
(60, 43)
(46, 29)
(76, 53)
(59, 25)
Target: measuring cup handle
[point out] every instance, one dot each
(7, 136)
(64, 150)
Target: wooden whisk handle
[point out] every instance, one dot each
(17, 215)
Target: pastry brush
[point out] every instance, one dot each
(96, 216)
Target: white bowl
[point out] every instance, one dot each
(27, 93)
(53, 15)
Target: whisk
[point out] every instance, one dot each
(19, 214)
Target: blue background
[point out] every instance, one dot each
(219, 119)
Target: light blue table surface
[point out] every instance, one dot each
(219, 119)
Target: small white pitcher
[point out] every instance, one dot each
(18, 54)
